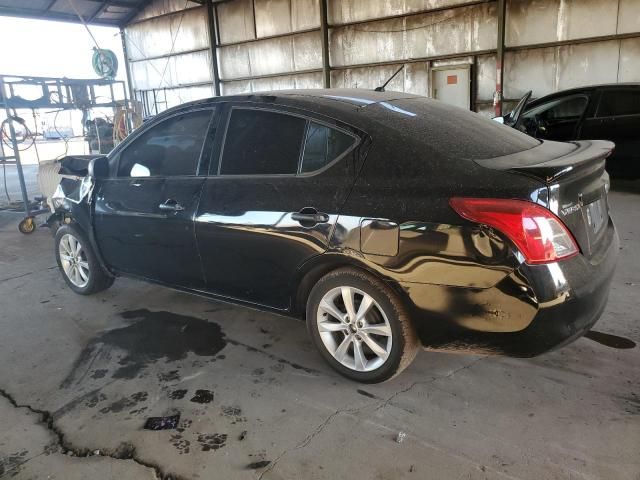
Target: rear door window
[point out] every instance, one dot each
(619, 102)
(323, 145)
(262, 142)
(170, 148)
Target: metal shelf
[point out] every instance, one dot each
(34, 93)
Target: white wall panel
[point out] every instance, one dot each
(414, 78)
(345, 11)
(485, 77)
(629, 69)
(305, 14)
(162, 7)
(541, 21)
(178, 96)
(236, 21)
(526, 70)
(284, 82)
(156, 37)
(234, 61)
(172, 71)
(587, 64)
(629, 16)
(271, 56)
(307, 51)
(454, 32)
(462, 30)
(468, 29)
(273, 17)
(551, 69)
(236, 88)
(372, 42)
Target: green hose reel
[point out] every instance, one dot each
(105, 63)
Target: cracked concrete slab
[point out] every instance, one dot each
(30, 450)
(257, 402)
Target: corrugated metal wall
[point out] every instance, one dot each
(274, 44)
(169, 54)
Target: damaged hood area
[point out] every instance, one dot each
(76, 184)
(71, 190)
(76, 165)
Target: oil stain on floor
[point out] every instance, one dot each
(152, 337)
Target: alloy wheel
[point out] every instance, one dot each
(354, 329)
(74, 261)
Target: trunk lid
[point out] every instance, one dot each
(576, 180)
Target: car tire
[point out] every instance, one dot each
(79, 266)
(379, 344)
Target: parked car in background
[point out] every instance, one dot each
(389, 221)
(605, 112)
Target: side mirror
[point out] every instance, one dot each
(98, 168)
(498, 119)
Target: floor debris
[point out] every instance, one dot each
(162, 423)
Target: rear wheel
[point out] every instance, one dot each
(360, 326)
(78, 263)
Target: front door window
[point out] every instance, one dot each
(555, 120)
(171, 148)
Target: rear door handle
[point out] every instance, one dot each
(310, 215)
(171, 206)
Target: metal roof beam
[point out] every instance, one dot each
(94, 19)
(61, 17)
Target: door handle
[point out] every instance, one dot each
(310, 215)
(171, 206)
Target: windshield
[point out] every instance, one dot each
(450, 131)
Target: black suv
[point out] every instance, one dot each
(388, 221)
(607, 112)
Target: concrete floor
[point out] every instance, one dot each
(79, 376)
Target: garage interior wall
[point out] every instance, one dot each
(262, 45)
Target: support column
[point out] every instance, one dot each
(212, 25)
(127, 65)
(498, 96)
(324, 31)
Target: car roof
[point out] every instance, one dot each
(354, 96)
(309, 98)
(425, 127)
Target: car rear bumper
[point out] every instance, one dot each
(533, 310)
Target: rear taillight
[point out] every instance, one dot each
(539, 235)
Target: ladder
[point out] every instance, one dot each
(27, 225)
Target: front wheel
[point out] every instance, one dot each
(78, 263)
(360, 326)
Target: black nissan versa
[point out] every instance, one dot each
(389, 221)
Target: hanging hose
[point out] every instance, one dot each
(27, 132)
(105, 63)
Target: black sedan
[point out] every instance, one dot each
(607, 112)
(388, 221)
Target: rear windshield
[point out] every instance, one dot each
(450, 131)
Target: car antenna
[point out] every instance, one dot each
(381, 88)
